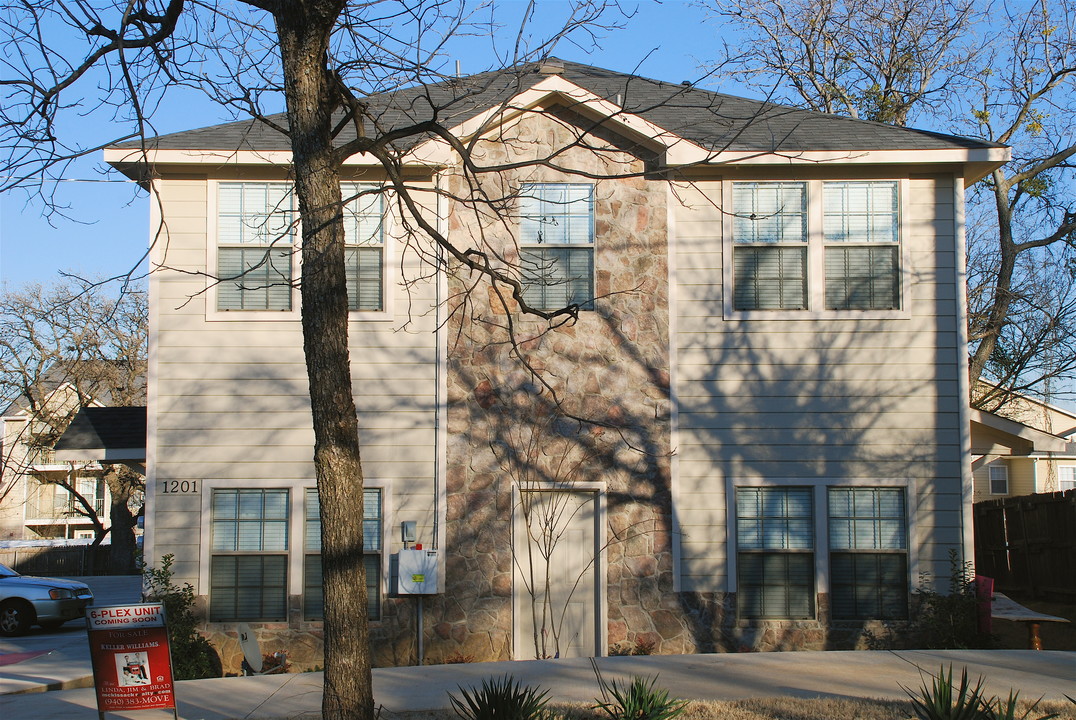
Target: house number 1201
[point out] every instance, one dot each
(179, 486)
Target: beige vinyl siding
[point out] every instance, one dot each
(981, 476)
(231, 396)
(813, 398)
(1022, 476)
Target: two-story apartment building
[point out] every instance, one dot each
(771, 342)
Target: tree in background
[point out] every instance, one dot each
(322, 60)
(62, 347)
(871, 60)
(1005, 72)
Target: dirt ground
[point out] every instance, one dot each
(1055, 635)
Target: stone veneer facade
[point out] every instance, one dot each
(612, 365)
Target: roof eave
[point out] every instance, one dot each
(976, 162)
(135, 164)
(101, 454)
(1040, 441)
(559, 91)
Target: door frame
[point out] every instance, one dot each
(601, 531)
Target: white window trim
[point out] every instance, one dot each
(213, 314)
(592, 245)
(820, 486)
(816, 260)
(296, 526)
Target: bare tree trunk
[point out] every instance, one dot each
(122, 484)
(995, 320)
(311, 95)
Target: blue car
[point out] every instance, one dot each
(49, 602)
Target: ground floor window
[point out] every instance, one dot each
(775, 558)
(313, 600)
(868, 553)
(999, 480)
(1066, 477)
(249, 563)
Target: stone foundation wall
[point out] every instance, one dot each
(651, 620)
(715, 628)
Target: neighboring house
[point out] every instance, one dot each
(1027, 446)
(35, 464)
(773, 337)
(32, 504)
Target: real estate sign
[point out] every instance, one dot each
(132, 665)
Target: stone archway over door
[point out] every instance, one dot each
(557, 590)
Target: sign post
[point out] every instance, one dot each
(132, 664)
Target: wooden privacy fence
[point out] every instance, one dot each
(1028, 544)
(58, 561)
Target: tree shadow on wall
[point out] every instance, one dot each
(796, 403)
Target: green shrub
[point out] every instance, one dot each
(639, 700)
(950, 621)
(192, 655)
(643, 647)
(501, 699)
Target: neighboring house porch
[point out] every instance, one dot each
(1027, 446)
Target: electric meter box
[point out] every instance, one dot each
(419, 571)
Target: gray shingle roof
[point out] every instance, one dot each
(712, 120)
(93, 374)
(108, 429)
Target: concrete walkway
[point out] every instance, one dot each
(708, 677)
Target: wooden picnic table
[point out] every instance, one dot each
(1003, 607)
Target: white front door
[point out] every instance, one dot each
(556, 589)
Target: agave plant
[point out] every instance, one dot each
(501, 699)
(998, 709)
(639, 700)
(939, 702)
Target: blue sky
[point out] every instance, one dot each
(104, 227)
(105, 222)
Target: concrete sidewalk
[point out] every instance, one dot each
(705, 677)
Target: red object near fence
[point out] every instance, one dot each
(984, 591)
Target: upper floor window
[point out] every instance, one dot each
(255, 246)
(556, 244)
(770, 255)
(816, 245)
(862, 245)
(364, 239)
(256, 224)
